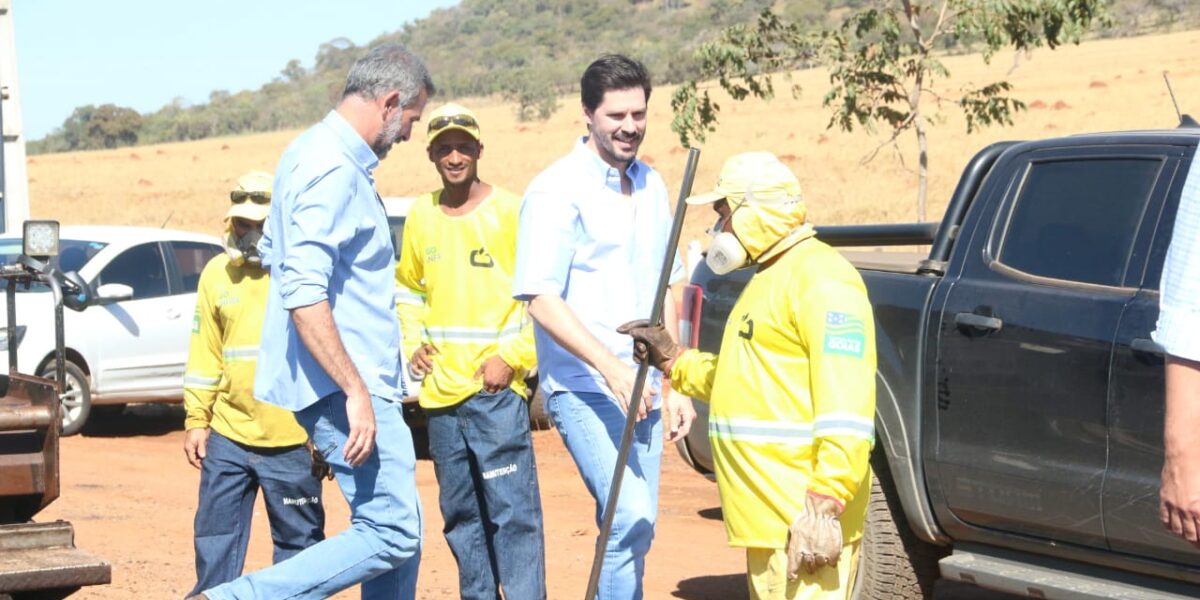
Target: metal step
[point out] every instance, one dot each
(1055, 579)
(43, 556)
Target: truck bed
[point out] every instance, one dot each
(892, 262)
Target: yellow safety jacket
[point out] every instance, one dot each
(218, 387)
(792, 396)
(455, 280)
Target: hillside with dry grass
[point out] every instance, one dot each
(1100, 85)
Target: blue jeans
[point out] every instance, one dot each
(591, 425)
(382, 548)
(488, 491)
(229, 480)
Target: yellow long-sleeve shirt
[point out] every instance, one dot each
(218, 387)
(455, 281)
(792, 396)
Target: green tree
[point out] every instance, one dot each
(74, 128)
(534, 93)
(112, 126)
(882, 61)
(94, 127)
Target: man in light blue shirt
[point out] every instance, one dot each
(1178, 332)
(594, 228)
(330, 343)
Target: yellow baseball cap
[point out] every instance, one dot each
(452, 116)
(760, 173)
(251, 199)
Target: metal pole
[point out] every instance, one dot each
(664, 279)
(60, 367)
(11, 294)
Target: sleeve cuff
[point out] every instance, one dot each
(529, 293)
(196, 422)
(509, 357)
(303, 294)
(1176, 332)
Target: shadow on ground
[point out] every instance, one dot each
(135, 419)
(954, 590)
(733, 587)
(713, 587)
(712, 514)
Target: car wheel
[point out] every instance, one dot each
(76, 400)
(893, 563)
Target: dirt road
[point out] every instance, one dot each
(131, 496)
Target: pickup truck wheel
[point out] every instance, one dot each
(893, 563)
(76, 402)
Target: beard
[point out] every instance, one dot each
(388, 136)
(607, 145)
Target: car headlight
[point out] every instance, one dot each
(4, 337)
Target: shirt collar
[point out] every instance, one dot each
(612, 177)
(354, 143)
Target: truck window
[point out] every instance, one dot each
(1166, 227)
(1076, 220)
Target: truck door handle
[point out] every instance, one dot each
(173, 313)
(1146, 346)
(977, 321)
(1146, 351)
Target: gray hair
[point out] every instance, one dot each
(386, 68)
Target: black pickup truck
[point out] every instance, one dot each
(1019, 395)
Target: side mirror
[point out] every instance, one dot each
(77, 294)
(110, 293)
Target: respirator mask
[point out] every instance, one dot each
(726, 252)
(250, 204)
(768, 229)
(243, 250)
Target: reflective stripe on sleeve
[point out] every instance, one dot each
(240, 354)
(845, 424)
(760, 431)
(460, 335)
(406, 295)
(196, 382)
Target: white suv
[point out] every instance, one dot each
(132, 345)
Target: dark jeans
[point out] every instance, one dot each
(230, 477)
(488, 491)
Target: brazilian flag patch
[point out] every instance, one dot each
(845, 334)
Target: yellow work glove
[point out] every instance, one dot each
(651, 344)
(815, 537)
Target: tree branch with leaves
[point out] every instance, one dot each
(883, 61)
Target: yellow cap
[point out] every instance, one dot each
(760, 173)
(251, 199)
(452, 116)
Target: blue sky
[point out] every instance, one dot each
(145, 53)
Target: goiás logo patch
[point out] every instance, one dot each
(845, 334)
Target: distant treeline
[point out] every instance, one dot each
(527, 51)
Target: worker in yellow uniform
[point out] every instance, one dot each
(240, 444)
(792, 393)
(454, 282)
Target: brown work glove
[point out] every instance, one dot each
(651, 344)
(320, 468)
(815, 537)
